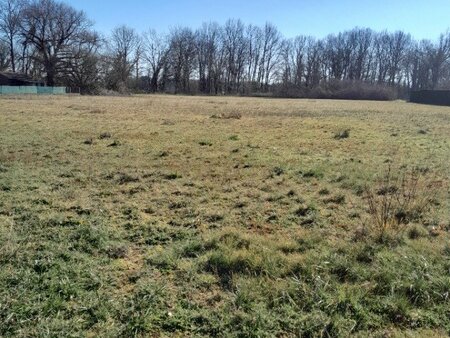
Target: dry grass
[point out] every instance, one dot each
(188, 224)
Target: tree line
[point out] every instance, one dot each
(50, 40)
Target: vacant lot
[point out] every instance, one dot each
(198, 216)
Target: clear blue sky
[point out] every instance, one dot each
(421, 18)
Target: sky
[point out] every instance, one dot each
(424, 19)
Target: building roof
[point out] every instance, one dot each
(18, 77)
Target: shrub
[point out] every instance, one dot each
(399, 200)
(416, 232)
(358, 90)
(341, 90)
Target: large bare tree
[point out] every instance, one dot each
(155, 51)
(182, 56)
(82, 69)
(123, 45)
(270, 54)
(210, 57)
(236, 49)
(53, 28)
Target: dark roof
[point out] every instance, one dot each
(437, 97)
(18, 77)
(444, 91)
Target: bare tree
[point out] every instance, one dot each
(336, 55)
(53, 28)
(182, 57)
(28, 59)
(254, 37)
(209, 48)
(235, 49)
(123, 45)
(398, 45)
(381, 45)
(362, 42)
(4, 56)
(82, 69)
(271, 45)
(286, 73)
(10, 26)
(314, 55)
(438, 56)
(155, 51)
(298, 59)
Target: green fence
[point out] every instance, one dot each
(12, 90)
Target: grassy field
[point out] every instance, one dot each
(231, 217)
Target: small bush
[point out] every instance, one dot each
(357, 90)
(416, 232)
(398, 200)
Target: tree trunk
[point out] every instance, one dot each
(13, 58)
(154, 82)
(50, 76)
